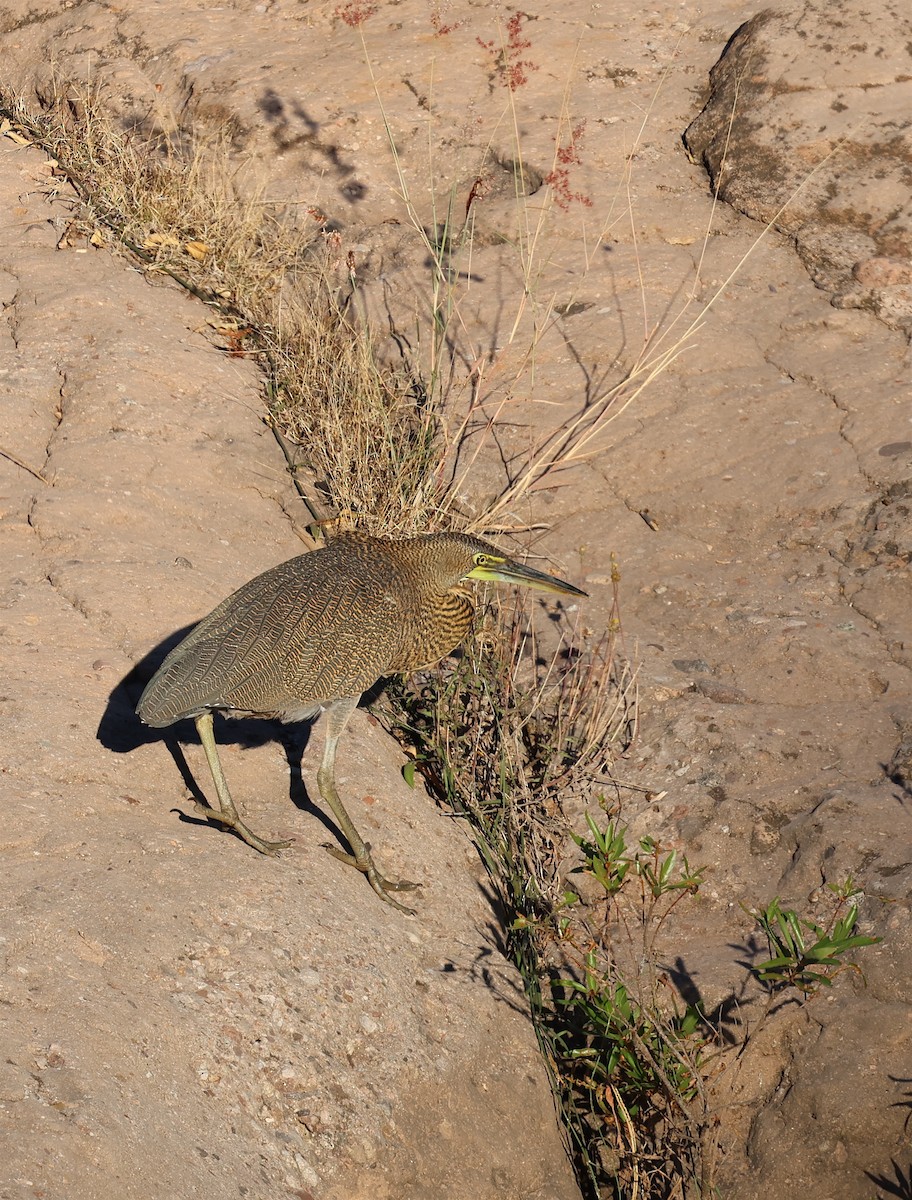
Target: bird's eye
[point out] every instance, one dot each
(482, 560)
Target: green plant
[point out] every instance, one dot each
(604, 852)
(628, 1057)
(621, 1045)
(805, 955)
(605, 855)
(494, 740)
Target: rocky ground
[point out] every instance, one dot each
(182, 1016)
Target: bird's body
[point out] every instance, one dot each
(317, 631)
(321, 626)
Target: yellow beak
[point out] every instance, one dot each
(509, 571)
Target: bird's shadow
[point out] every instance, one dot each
(121, 731)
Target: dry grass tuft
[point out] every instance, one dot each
(181, 204)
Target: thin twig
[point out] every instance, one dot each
(24, 465)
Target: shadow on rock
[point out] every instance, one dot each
(487, 966)
(721, 1023)
(121, 731)
(899, 1185)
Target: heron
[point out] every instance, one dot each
(313, 634)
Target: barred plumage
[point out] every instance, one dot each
(317, 631)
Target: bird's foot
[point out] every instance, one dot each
(378, 882)
(233, 821)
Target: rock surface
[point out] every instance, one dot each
(809, 126)
(172, 998)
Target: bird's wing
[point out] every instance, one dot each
(305, 632)
(344, 642)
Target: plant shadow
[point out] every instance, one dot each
(900, 1185)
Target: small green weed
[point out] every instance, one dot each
(605, 853)
(805, 955)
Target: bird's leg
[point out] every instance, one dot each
(227, 814)
(338, 714)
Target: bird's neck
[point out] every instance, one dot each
(436, 629)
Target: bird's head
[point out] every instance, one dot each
(473, 558)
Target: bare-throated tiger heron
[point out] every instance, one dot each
(317, 631)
